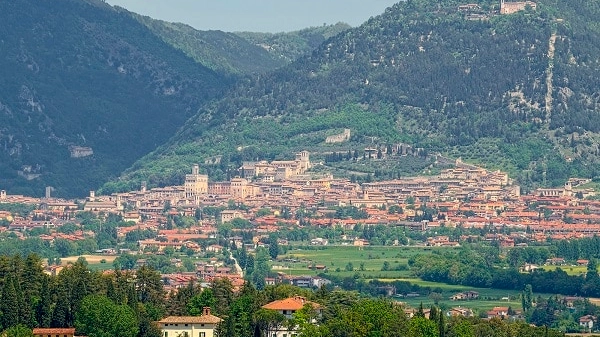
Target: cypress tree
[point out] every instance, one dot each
(62, 309)
(442, 325)
(433, 314)
(9, 304)
(420, 312)
(44, 305)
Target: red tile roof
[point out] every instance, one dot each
(292, 303)
(54, 331)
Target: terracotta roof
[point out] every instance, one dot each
(53, 331)
(204, 319)
(291, 303)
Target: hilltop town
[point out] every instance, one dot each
(269, 194)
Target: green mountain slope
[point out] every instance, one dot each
(291, 45)
(516, 92)
(82, 74)
(223, 52)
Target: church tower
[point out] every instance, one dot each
(196, 184)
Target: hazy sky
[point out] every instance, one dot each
(257, 15)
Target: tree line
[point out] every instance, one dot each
(126, 304)
(478, 269)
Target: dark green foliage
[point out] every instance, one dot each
(273, 246)
(225, 53)
(470, 267)
(82, 74)
(205, 299)
(261, 268)
(288, 47)
(344, 313)
(17, 331)
(98, 316)
(10, 303)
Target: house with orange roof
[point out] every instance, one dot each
(498, 312)
(62, 332)
(288, 307)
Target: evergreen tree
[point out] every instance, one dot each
(261, 268)
(420, 312)
(61, 309)
(273, 246)
(442, 325)
(527, 298)
(197, 303)
(44, 305)
(223, 292)
(9, 304)
(433, 314)
(146, 326)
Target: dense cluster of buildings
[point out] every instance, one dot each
(464, 195)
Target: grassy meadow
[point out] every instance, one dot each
(369, 262)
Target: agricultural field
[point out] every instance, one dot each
(488, 298)
(571, 270)
(368, 262)
(347, 260)
(95, 262)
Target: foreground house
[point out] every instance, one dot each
(587, 322)
(190, 326)
(288, 307)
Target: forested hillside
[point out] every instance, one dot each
(85, 90)
(223, 52)
(241, 53)
(516, 92)
(291, 45)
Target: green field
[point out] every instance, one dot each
(571, 270)
(488, 298)
(368, 263)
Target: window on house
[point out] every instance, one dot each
(166, 334)
(202, 334)
(185, 334)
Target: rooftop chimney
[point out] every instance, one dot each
(205, 311)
